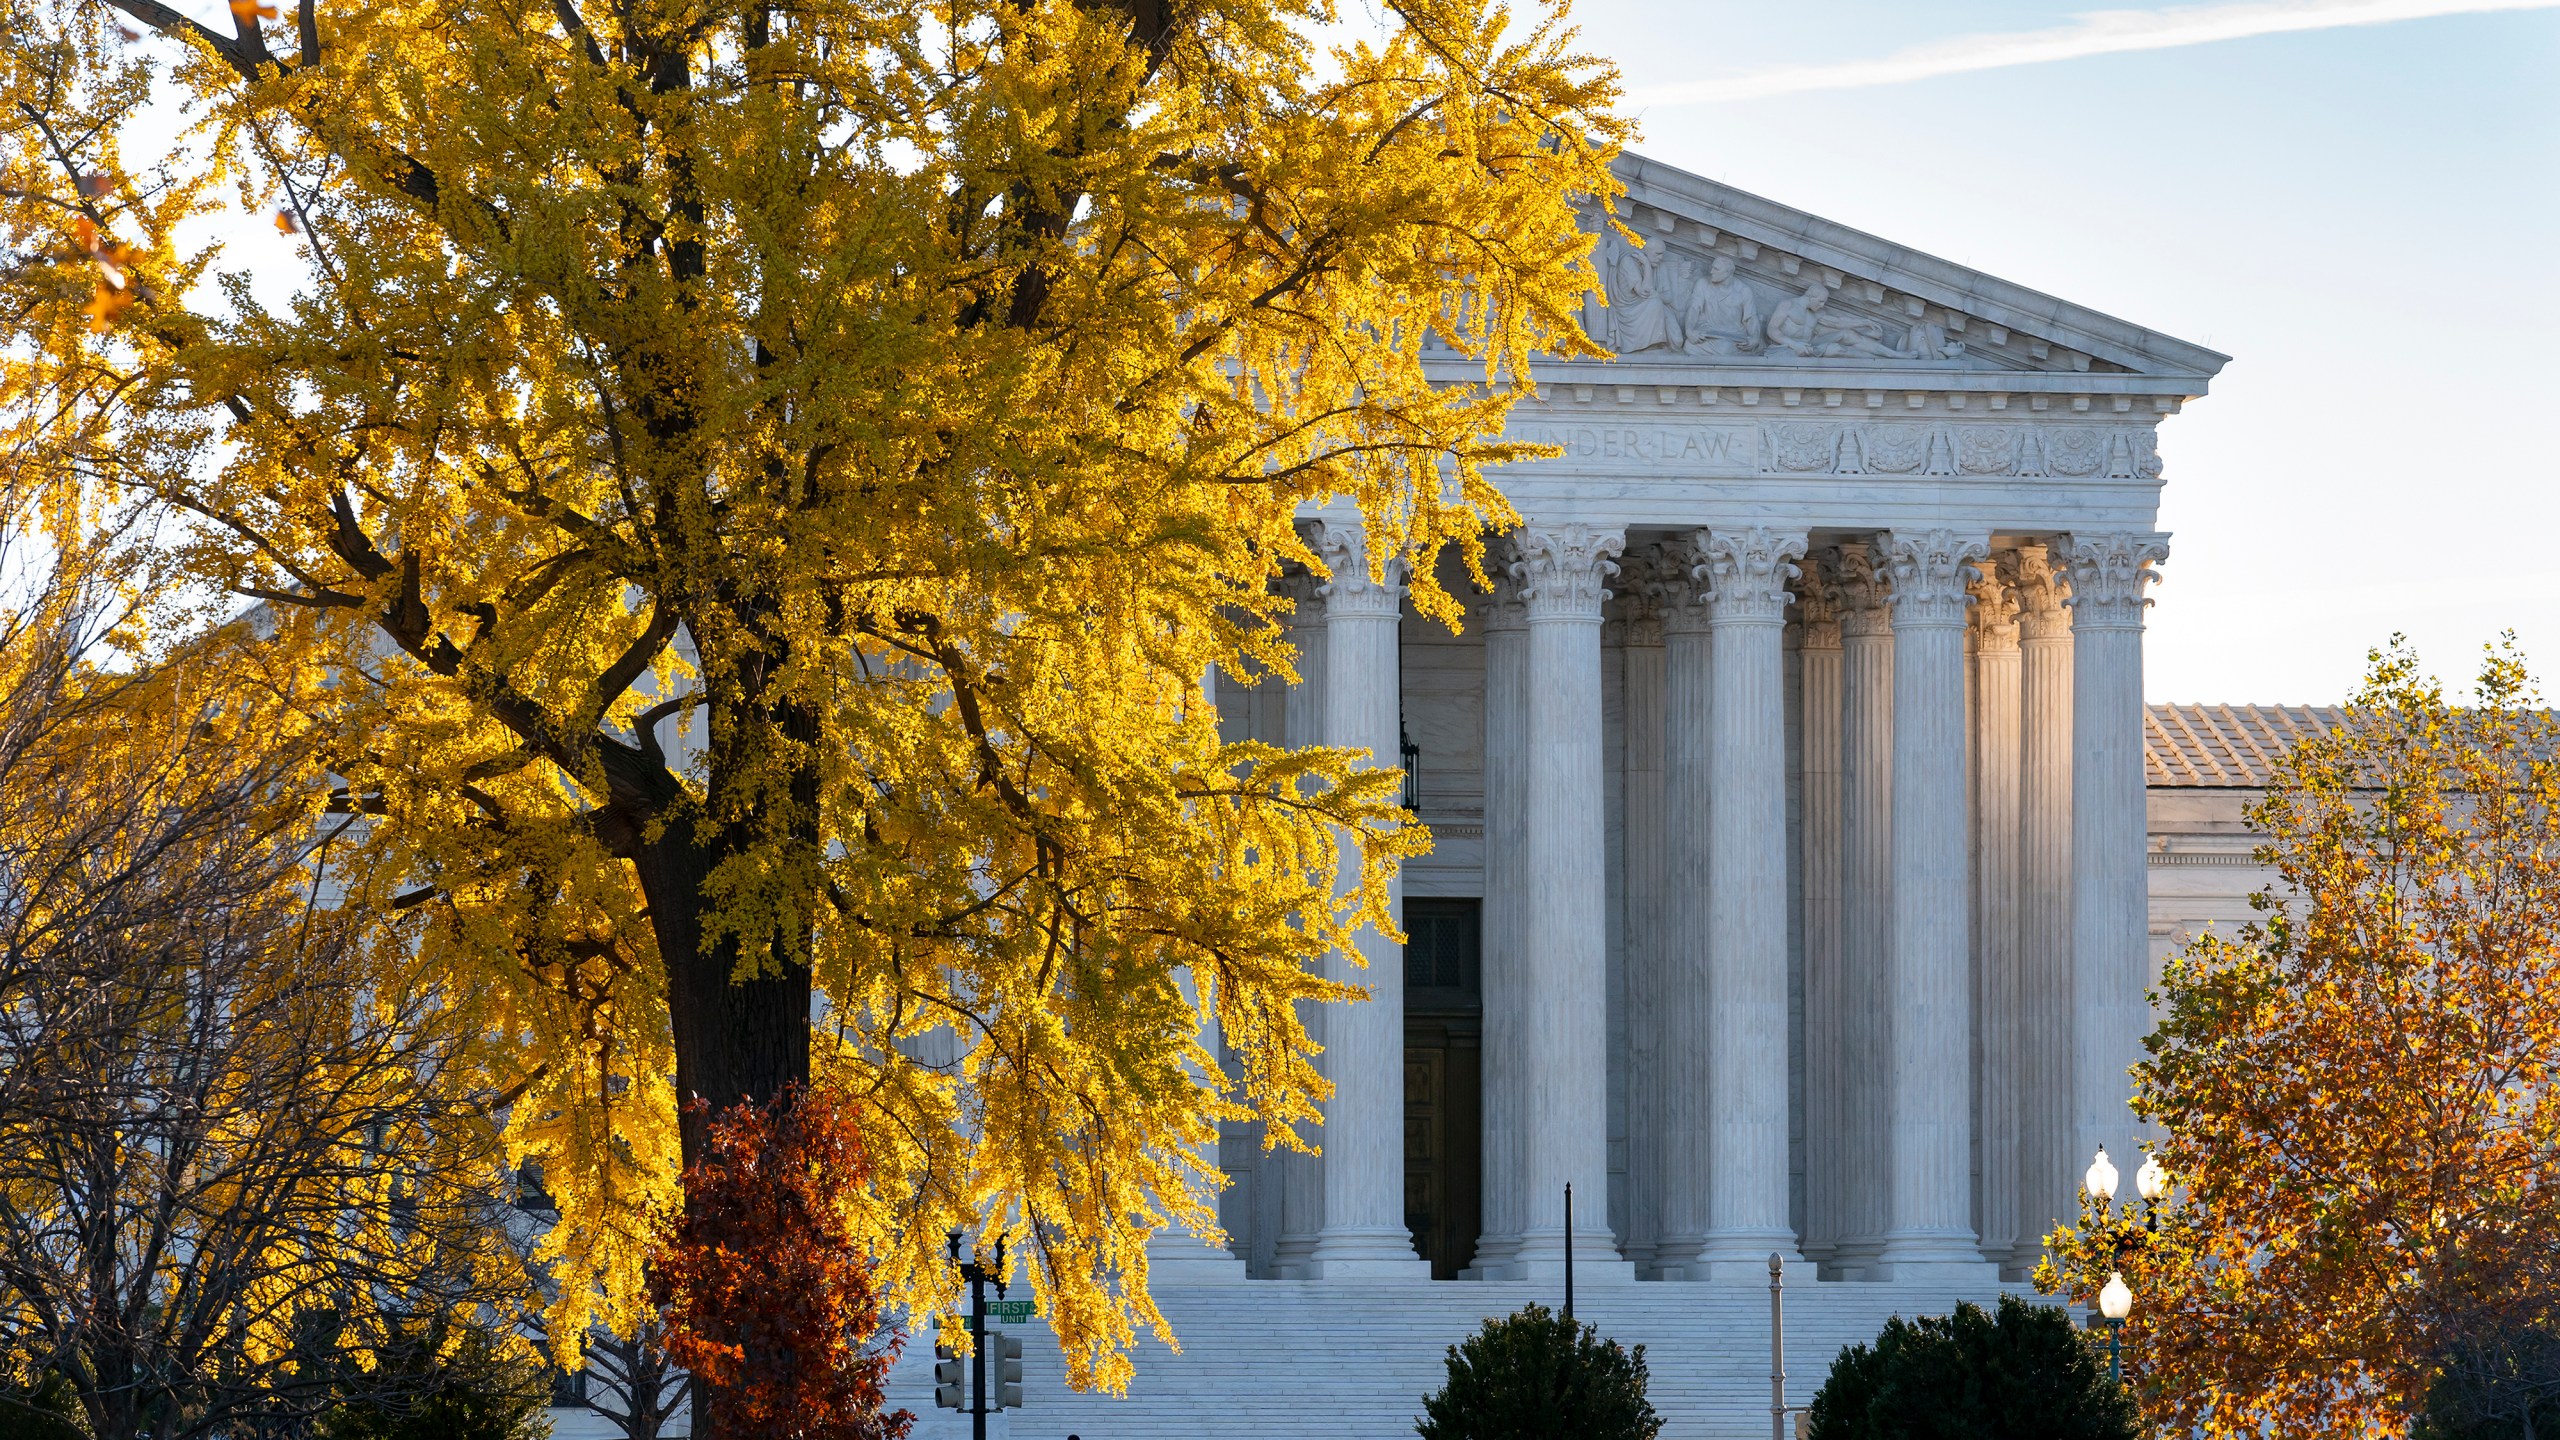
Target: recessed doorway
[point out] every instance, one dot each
(1443, 1079)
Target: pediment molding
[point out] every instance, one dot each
(1733, 286)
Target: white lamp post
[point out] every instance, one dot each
(2115, 1302)
(2100, 1181)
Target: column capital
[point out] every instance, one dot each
(1930, 570)
(1817, 600)
(1747, 571)
(1351, 590)
(1564, 570)
(1637, 598)
(2108, 572)
(2041, 593)
(1861, 590)
(1995, 607)
(1502, 610)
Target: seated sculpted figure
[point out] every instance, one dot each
(1639, 317)
(1799, 326)
(1724, 316)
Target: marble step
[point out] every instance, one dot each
(1306, 1360)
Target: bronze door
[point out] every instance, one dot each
(1443, 1076)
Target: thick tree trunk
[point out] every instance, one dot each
(734, 1040)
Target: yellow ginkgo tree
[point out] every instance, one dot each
(768, 482)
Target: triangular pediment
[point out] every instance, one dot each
(1729, 282)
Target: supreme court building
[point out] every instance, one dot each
(1789, 890)
(1792, 882)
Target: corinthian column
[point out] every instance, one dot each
(1995, 908)
(2110, 909)
(1301, 724)
(1641, 899)
(1364, 1232)
(2047, 1172)
(1747, 571)
(1563, 573)
(1866, 879)
(1688, 1001)
(1930, 1233)
(1818, 613)
(1505, 916)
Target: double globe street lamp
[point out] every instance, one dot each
(2115, 1298)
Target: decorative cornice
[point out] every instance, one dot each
(1564, 570)
(1747, 572)
(1930, 570)
(2108, 573)
(1352, 591)
(1865, 601)
(1949, 448)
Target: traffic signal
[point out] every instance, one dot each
(1008, 1377)
(950, 1379)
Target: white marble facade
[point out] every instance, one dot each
(1797, 763)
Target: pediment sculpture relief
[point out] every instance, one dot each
(1666, 302)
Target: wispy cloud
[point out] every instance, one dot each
(2099, 32)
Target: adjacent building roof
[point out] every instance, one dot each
(2226, 745)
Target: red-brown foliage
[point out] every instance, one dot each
(767, 1296)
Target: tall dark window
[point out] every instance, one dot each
(1443, 953)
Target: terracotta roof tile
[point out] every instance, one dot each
(2234, 746)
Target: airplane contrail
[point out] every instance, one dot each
(2098, 32)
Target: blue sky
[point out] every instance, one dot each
(2367, 218)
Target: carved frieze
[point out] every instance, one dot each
(1908, 447)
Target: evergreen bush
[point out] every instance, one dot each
(2022, 1374)
(1538, 1376)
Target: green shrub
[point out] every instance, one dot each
(42, 1411)
(1538, 1376)
(426, 1391)
(2024, 1374)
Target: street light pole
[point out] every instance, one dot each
(979, 1277)
(1777, 1348)
(1568, 1250)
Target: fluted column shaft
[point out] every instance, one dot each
(1688, 1002)
(1506, 891)
(1564, 571)
(2047, 1174)
(1303, 723)
(1364, 1232)
(1824, 1006)
(1930, 1232)
(1642, 897)
(2110, 904)
(1747, 571)
(1866, 811)
(1997, 1020)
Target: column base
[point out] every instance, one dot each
(1595, 1258)
(1853, 1260)
(1937, 1256)
(1379, 1254)
(1744, 1261)
(1493, 1257)
(1289, 1257)
(1178, 1257)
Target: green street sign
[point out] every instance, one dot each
(1009, 1311)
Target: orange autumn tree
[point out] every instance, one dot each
(769, 479)
(762, 1281)
(2357, 1090)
